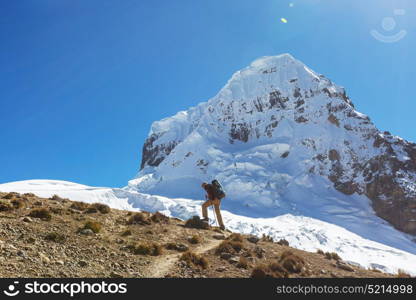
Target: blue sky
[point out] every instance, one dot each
(82, 81)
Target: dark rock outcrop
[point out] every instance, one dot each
(153, 155)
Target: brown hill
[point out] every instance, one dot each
(61, 238)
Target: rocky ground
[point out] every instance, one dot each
(61, 238)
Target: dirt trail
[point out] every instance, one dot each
(162, 265)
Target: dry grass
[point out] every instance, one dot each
(5, 206)
(152, 249)
(138, 219)
(266, 238)
(56, 210)
(126, 232)
(159, 218)
(291, 262)
(193, 259)
(195, 239)
(18, 203)
(403, 274)
(258, 251)
(260, 271)
(81, 206)
(242, 263)
(11, 195)
(236, 237)
(273, 270)
(55, 237)
(57, 198)
(94, 226)
(375, 270)
(29, 195)
(332, 255)
(91, 210)
(228, 246)
(102, 208)
(278, 269)
(41, 213)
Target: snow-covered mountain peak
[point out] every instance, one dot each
(273, 61)
(283, 139)
(270, 73)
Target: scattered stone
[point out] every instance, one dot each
(177, 247)
(253, 239)
(11, 247)
(283, 242)
(115, 275)
(136, 274)
(221, 269)
(234, 260)
(44, 258)
(180, 263)
(181, 247)
(219, 236)
(225, 256)
(197, 222)
(63, 274)
(27, 220)
(251, 259)
(82, 263)
(86, 231)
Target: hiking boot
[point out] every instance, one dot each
(205, 220)
(222, 227)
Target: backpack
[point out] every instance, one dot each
(218, 190)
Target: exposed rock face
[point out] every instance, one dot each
(153, 155)
(272, 108)
(388, 181)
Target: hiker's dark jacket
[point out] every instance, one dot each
(209, 188)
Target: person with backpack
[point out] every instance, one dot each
(214, 194)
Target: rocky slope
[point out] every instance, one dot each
(274, 136)
(57, 237)
(373, 245)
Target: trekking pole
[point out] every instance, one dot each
(215, 216)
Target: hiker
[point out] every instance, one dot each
(213, 197)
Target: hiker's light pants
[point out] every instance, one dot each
(216, 203)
